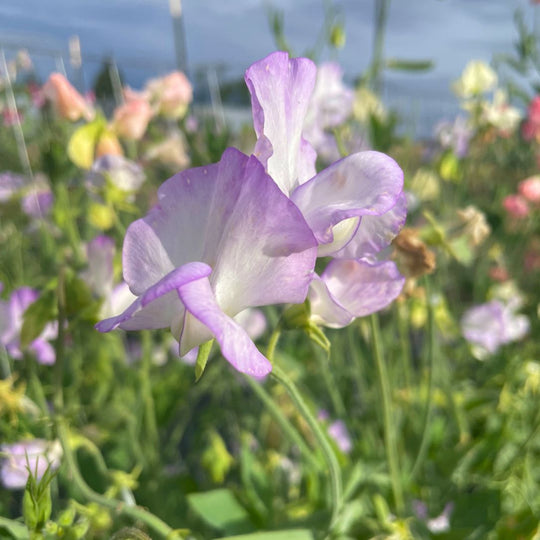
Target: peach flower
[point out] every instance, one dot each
(530, 189)
(67, 101)
(131, 119)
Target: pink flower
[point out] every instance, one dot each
(65, 98)
(172, 93)
(11, 117)
(531, 128)
(530, 188)
(516, 206)
(131, 119)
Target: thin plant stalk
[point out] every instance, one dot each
(424, 443)
(388, 414)
(336, 488)
(135, 512)
(283, 422)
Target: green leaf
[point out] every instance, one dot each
(409, 65)
(202, 358)
(220, 509)
(36, 316)
(290, 534)
(83, 142)
(15, 529)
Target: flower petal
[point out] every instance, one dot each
(375, 233)
(157, 308)
(233, 217)
(354, 287)
(280, 89)
(362, 184)
(236, 346)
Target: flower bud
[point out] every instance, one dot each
(67, 101)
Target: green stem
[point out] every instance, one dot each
(331, 386)
(5, 367)
(272, 344)
(135, 512)
(329, 455)
(389, 427)
(58, 399)
(151, 435)
(282, 420)
(405, 345)
(424, 443)
(35, 384)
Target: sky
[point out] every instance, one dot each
(235, 33)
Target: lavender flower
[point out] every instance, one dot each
(122, 173)
(11, 321)
(489, 326)
(339, 432)
(37, 454)
(455, 135)
(221, 239)
(331, 104)
(354, 207)
(10, 185)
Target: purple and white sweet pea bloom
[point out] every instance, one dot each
(37, 454)
(489, 326)
(354, 207)
(11, 321)
(221, 239)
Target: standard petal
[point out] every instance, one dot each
(375, 233)
(158, 306)
(280, 89)
(236, 346)
(362, 184)
(355, 287)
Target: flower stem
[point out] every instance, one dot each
(135, 512)
(424, 443)
(149, 411)
(389, 427)
(322, 440)
(272, 344)
(283, 421)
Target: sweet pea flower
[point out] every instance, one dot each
(172, 94)
(516, 206)
(131, 119)
(339, 432)
(438, 524)
(122, 173)
(11, 321)
(500, 114)
(331, 104)
(171, 151)
(67, 101)
(477, 78)
(531, 127)
(222, 238)
(455, 135)
(489, 326)
(38, 199)
(354, 207)
(530, 189)
(36, 454)
(10, 185)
